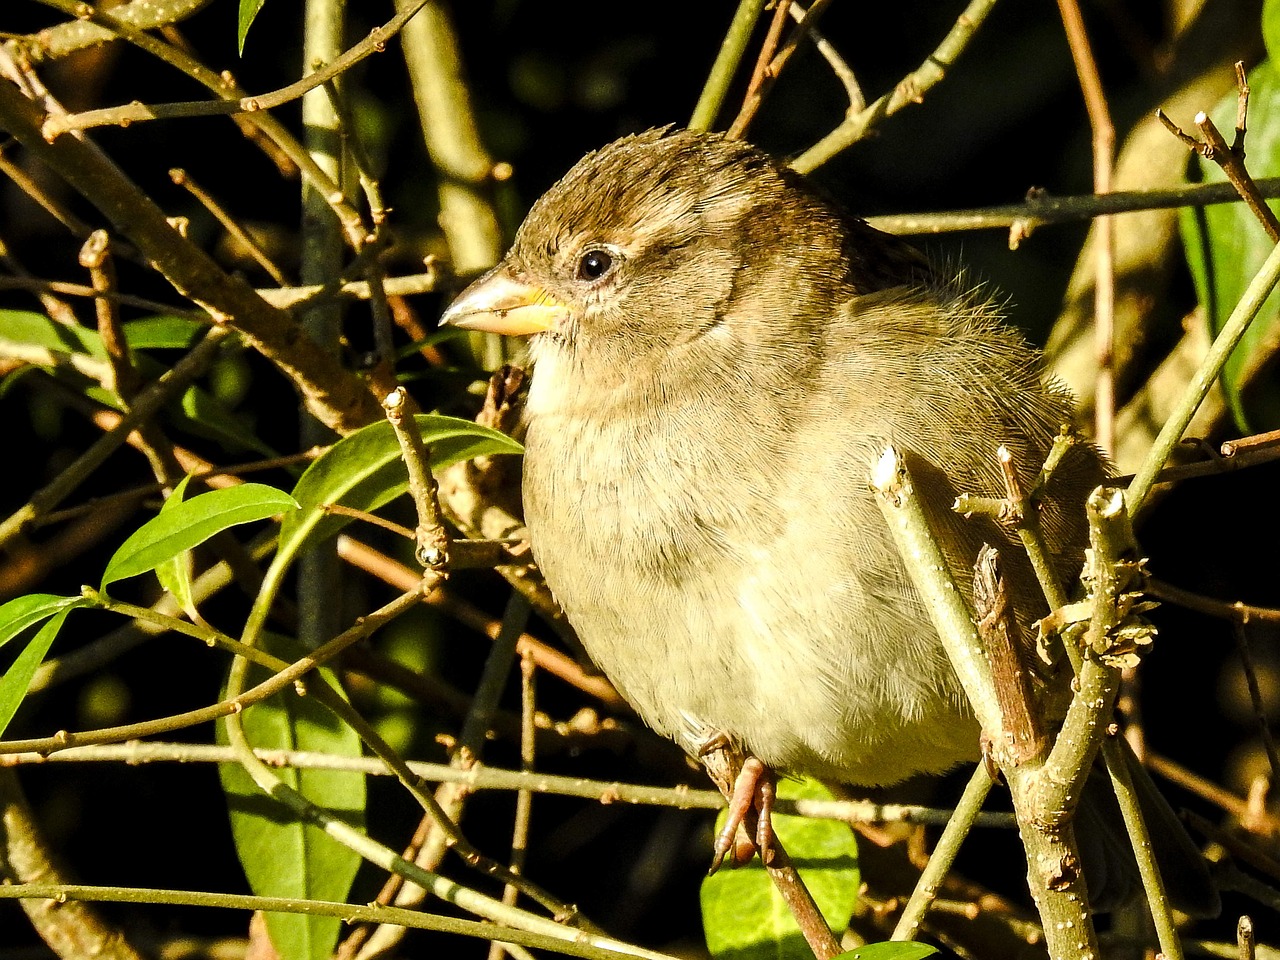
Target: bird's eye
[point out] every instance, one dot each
(594, 264)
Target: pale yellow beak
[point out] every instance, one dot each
(500, 303)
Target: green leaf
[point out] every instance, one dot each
(899, 950)
(1225, 247)
(363, 471)
(11, 379)
(175, 574)
(1270, 36)
(201, 412)
(743, 916)
(22, 328)
(434, 338)
(282, 857)
(248, 11)
(163, 333)
(16, 680)
(74, 352)
(191, 523)
(23, 612)
(205, 415)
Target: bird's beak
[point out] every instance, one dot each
(498, 302)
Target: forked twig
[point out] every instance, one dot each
(911, 89)
(1230, 157)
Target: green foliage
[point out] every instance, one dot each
(364, 471)
(907, 950)
(745, 918)
(1226, 245)
(248, 12)
(174, 574)
(21, 330)
(282, 857)
(61, 349)
(1270, 30)
(192, 522)
(17, 616)
(162, 333)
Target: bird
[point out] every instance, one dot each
(720, 353)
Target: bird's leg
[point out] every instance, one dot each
(748, 784)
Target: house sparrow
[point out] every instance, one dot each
(720, 355)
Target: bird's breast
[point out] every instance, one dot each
(716, 601)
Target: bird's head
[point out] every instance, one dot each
(657, 242)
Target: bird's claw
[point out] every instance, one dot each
(752, 798)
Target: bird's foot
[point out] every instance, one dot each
(749, 786)
(754, 791)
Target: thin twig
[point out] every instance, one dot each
(1210, 791)
(1245, 938)
(136, 112)
(182, 179)
(26, 855)
(553, 661)
(1140, 840)
(553, 939)
(1268, 440)
(1229, 157)
(765, 72)
(1104, 146)
(431, 536)
(1246, 849)
(852, 88)
(95, 256)
(1231, 161)
(332, 392)
(223, 85)
(403, 286)
(524, 797)
(1224, 345)
(235, 703)
(911, 89)
(145, 406)
(944, 854)
(1255, 698)
(1041, 209)
(480, 777)
(52, 205)
(1236, 612)
(726, 64)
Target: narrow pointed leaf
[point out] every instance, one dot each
(23, 612)
(364, 470)
(175, 574)
(23, 328)
(897, 950)
(16, 680)
(191, 523)
(248, 12)
(282, 857)
(163, 333)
